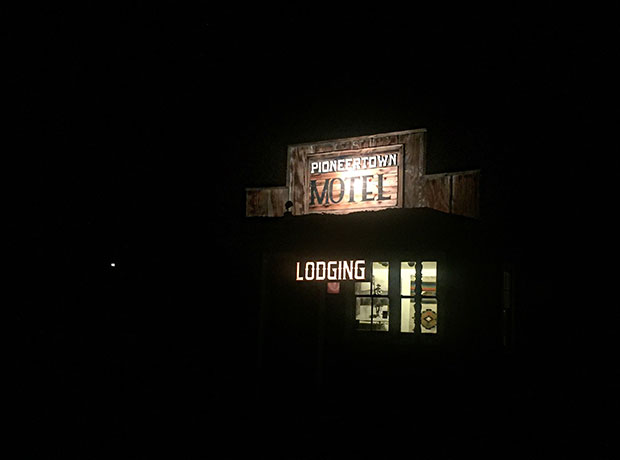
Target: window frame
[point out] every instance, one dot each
(372, 296)
(414, 297)
(394, 296)
(418, 296)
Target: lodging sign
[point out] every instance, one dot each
(354, 180)
(331, 270)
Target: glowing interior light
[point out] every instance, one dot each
(112, 264)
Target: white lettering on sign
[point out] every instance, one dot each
(332, 270)
(352, 164)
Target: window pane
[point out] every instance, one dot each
(407, 315)
(375, 318)
(380, 277)
(429, 278)
(407, 278)
(362, 288)
(428, 316)
(381, 316)
(363, 312)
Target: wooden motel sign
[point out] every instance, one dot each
(354, 180)
(367, 173)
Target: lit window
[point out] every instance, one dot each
(371, 300)
(429, 279)
(428, 314)
(407, 299)
(418, 297)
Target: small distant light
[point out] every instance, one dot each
(112, 264)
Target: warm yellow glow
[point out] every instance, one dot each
(407, 315)
(429, 269)
(381, 276)
(407, 278)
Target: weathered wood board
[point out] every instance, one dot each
(436, 192)
(266, 202)
(466, 194)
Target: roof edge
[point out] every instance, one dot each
(356, 138)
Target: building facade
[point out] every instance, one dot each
(371, 273)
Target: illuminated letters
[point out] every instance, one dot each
(314, 192)
(349, 163)
(332, 270)
(298, 278)
(332, 273)
(365, 192)
(380, 196)
(347, 269)
(309, 274)
(327, 195)
(331, 189)
(320, 271)
(360, 269)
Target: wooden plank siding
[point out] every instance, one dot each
(266, 202)
(455, 193)
(465, 197)
(436, 191)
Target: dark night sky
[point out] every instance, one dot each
(145, 123)
(131, 106)
(136, 129)
(121, 113)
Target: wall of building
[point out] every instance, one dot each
(308, 340)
